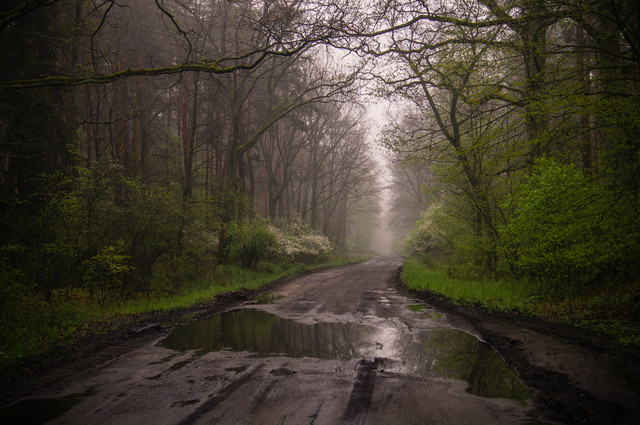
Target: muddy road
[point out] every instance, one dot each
(340, 346)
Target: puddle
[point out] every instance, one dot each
(416, 307)
(433, 353)
(452, 353)
(41, 410)
(427, 312)
(265, 334)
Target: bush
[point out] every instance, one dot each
(568, 231)
(251, 242)
(443, 235)
(77, 228)
(299, 242)
(108, 272)
(427, 236)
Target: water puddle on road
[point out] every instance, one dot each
(435, 353)
(266, 334)
(452, 353)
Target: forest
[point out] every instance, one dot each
(153, 147)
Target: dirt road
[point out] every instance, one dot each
(340, 346)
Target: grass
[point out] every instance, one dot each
(37, 326)
(489, 293)
(612, 309)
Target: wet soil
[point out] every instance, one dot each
(579, 376)
(106, 342)
(145, 368)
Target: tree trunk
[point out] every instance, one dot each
(189, 127)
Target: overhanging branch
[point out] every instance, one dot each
(208, 66)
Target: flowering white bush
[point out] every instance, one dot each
(427, 235)
(297, 241)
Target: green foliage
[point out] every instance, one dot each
(257, 243)
(13, 282)
(115, 211)
(100, 230)
(109, 271)
(569, 231)
(444, 232)
(420, 276)
(250, 242)
(612, 309)
(196, 259)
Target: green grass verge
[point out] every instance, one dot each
(38, 326)
(613, 309)
(491, 294)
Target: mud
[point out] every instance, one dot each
(345, 345)
(579, 376)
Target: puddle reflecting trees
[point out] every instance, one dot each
(459, 355)
(433, 353)
(266, 334)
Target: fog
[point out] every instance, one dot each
(383, 238)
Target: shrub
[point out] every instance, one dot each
(299, 242)
(427, 236)
(443, 235)
(108, 272)
(568, 231)
(251, 242)
(72, 218)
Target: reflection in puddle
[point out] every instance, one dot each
(266, 334)
(426, 311)
(416, 307)
(435, 353)
(453, 353)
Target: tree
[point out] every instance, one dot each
(411, 180)
(493, 88)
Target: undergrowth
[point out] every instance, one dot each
(45, 325)
(612, 309)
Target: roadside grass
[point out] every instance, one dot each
(38, 326)
(612, 309)
(489, 293)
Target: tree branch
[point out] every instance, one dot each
(12, 15)
(206, 65)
